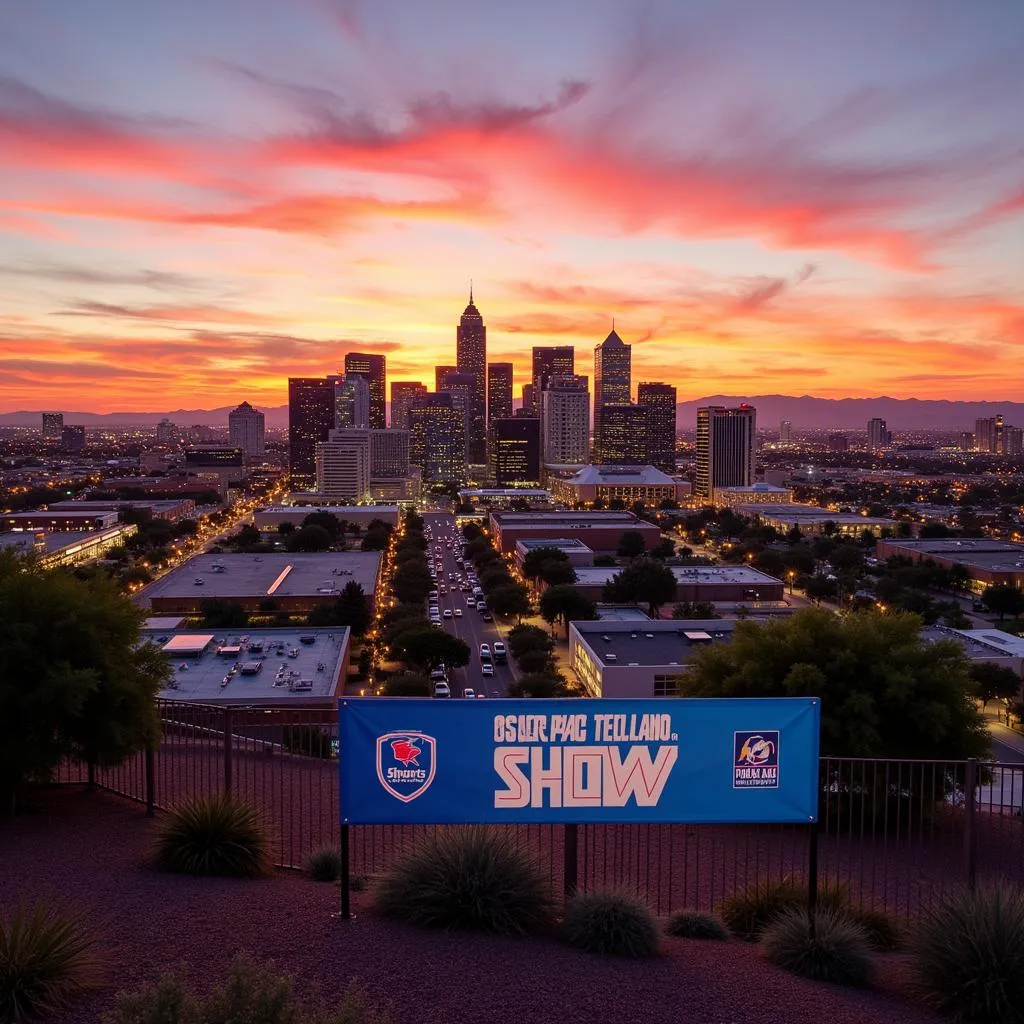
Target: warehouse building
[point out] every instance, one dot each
(270, 518)
(600, 531)
(988, 562)
(170, 510)
(739, 584)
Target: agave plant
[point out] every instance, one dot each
(212, 835)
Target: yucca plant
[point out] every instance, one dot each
(827, 946)
(47, 959)
(693, 924)
(969, 955)
(324, 865)
(466, 877)
(213, 835)
(610, 922)
(748, 911)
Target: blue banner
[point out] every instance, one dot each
(410, 760)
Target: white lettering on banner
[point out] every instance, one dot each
(632, 728)
(584, 776)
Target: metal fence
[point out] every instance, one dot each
(897, 833)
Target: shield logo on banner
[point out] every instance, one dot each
(406, 763)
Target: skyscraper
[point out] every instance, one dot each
(725, 447)
(530, 406)
(838, 443)
(53, 424)
(343, 464)
(878, 436)
(166, 433)
(352, 402)
(660, 402)
(471, 357)
(460, 386)
(785, 432)
(499, 391)
(566, 420)
(440, 373)
(246, 428)
(988, 435)
(1013, 440)
(624, 435)
(437, 441)
(613, 383)
(402, 394)
(72, 438)
(310, 421)
(374, 369)
(389, 453)
(515, 451)
(549, 360)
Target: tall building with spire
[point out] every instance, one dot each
(613, 382)
(471, 358)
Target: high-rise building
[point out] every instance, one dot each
(246, 430)
(565, 439)
(838, 443)
(785, 432)
(471, 357)
(549, 360)
(72, 438)
(343, 465)
(389, 453)
(374, 369)
(352, 403)
(460, 386)
(613, 382)
(437, 439)
(530, 405)
(624, 435)
(200, 433)
(402, 394)
(1013, 440)
(515, 451)
(53, 424)
(310, 421)
(660, 402)
(725, 447)
(499, 391)
(166, 434)
(988, 435)
(878, 435)
(440, 374)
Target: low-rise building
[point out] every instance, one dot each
(574, 550)
(60, 521)
(812, 519)
(760, 493)
(629, 484)
(71, 548)
(736, 584)
(170, 510)
(270, 518)
(600, 531)
(988, 562)
(505, 497)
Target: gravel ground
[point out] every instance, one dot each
(89, 850)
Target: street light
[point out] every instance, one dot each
(792, 575)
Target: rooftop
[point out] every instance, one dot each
(620, 476)
(979, 644)
(650, 644)
(810, 513)
(998, 555)
(564, 518)
(504, 492)
(595, 576)
(269, 664)
(270, 575)
(567, 543)
(759, 488)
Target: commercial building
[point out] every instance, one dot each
(460, 387)
(878, 434)
(53, 426)
(310, 420)
(247, 430)
(64, 520)
(551, 361)
(737, 584)
(374, 369)
(756, 494)
(389, 454)
(613, 381)
(530, 406)
(499, 392)
(471, 357)
(403, 394)
(294, 583)
(343, 465)
(437, 439)
(565, 420)
(166, 434)
(169, 510)
(639, 659)
(291, 665)
(267, 520)
(785, 432)
(660, 402)
(988, 562)
(351, 401)
(600, 531)
(65, 549)
(505, 497)
(838, 443)
(515, 451)
(72, 438)
(577, 553)
(812, 519)
(624, 483)
(220, 465)
(441, 375)
(725, 447)
(623, 440)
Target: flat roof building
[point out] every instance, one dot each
(575, 550)
(812, 519)
(739, 584)
(756, 494)
(630, 484)
(61, 520)
(988, 562)
(503, 497)
(600, 531)
(169, 510)
(294, 582)
(271, 517)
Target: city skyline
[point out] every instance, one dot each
(764, 201)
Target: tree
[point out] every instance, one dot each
(566, 603)
(537, 558)
(247, 537)
(820, 587)
(885, 692)
(535, 661)
(509, 599)
(1003, 600)
(411, 583)
(407, 684)
(219, 614)
(309, 538)
(327, 520)
(644, 579)
(494, 577)
(538, 684)
(427, 647)
(847, 557)
(75, 679)
(994, 682)
(523, 638)
(606, 561)
(631, 544)
(695, 610)
(375, 540)
(666, 549)
(555, 573)
(471, 531)
(353, 608)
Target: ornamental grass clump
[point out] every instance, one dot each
(826, 946)
(466, 877)
(612, 923)
(213, 835)
(694, 924)
(748, 911)
(324, 865)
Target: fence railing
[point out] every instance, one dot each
(897, 833)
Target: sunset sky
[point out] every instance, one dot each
(199, 199)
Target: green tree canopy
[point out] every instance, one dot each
(309, 538)
(427, 647)
(509, 599)
(218, 614)
(884, 691)
(995, 682)
(1003, 600)
(328, 520)
(537, 557)
(565, 604)
(538, 684)
(555, 573)
(631, 544)
(644, 579)
(407, 684)
(524, 637)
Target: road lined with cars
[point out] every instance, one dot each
(458, 605)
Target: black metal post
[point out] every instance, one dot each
(970, 808)
(346, 882)
(812, 874)
(150, 782)
(227, 751)
(570, 853)
(91, 773)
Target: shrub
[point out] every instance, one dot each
(253, 993)
(212, 835)
(883, 932)
(612, 923)
(834, 950)
(165, 1001)
(324, 865)
(969, 955)
(46, 961)
(748, 911)
(692, 924)
(466, 877)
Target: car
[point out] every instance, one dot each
(470, 602)
(485, 650)
(446, 614)
(499, 651)
(487, 617)
(458, 613)
(469, 692)
(442, 590)
(442, 690)
(487, 669)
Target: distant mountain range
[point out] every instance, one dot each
(805, 412)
